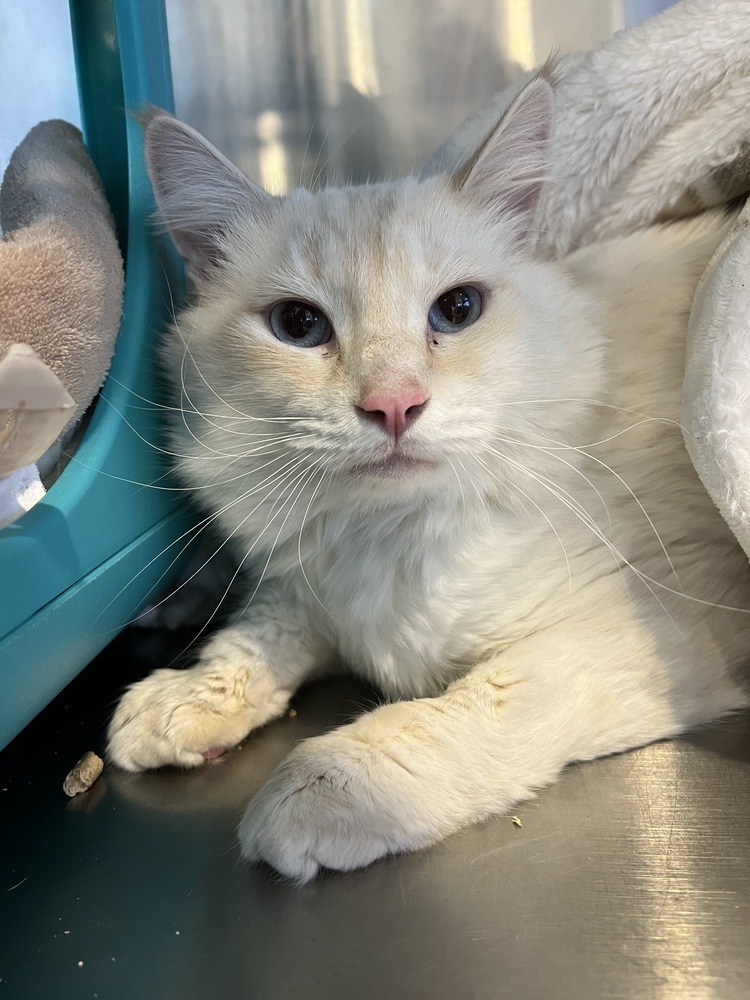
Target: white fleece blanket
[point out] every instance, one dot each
(655, 125)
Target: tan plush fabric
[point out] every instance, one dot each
(61, 274)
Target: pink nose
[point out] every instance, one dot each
(393, 413)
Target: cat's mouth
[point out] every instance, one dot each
(395, 466)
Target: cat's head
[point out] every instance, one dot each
(392, 337)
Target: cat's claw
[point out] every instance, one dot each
(184, 718)
(331, 804)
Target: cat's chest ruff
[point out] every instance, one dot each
(387, 590)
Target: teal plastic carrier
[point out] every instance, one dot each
(82, 563)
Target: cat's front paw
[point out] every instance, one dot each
(336, 802)
(185, 717)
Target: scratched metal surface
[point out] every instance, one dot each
(629, 878)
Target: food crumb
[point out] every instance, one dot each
(83, 775)
(66, 932)
(292, 713)
(516, 821)
(177, 933)
(80, 965)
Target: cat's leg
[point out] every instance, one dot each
(245, 677)
(409, 773)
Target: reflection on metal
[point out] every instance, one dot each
(518, 34)
(328, 48)
(272, 161)
(363, 74)
(358, 89)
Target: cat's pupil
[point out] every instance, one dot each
(300, 324)
(455, 309)
(299, 320)
(455, 306)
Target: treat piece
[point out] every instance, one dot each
(84, 774)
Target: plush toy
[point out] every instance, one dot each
(61, 287)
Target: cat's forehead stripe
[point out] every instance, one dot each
(377, 239)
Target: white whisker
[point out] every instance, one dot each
(293, 497)
(474, 486)
(585, 519)
(573, 468)
(299, 545)
(515, 486)
(331, 155)
(275, 480)
(460, 484)
(620, 479)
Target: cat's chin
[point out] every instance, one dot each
(394, 466)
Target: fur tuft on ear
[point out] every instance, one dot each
(505, 174)
(199, 193)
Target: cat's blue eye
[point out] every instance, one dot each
(300, 323)
(455, 310)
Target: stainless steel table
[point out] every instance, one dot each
(630, 878)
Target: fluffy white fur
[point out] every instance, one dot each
(539, 574)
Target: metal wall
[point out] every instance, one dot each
(294, 90)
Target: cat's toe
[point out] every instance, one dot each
(173, 718)
(287, 851)
(330, 804)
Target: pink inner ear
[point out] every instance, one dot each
(524, 203)
(507, 172)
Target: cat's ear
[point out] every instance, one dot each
(199, 193)
(505, 174)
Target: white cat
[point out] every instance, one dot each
(458, 470)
